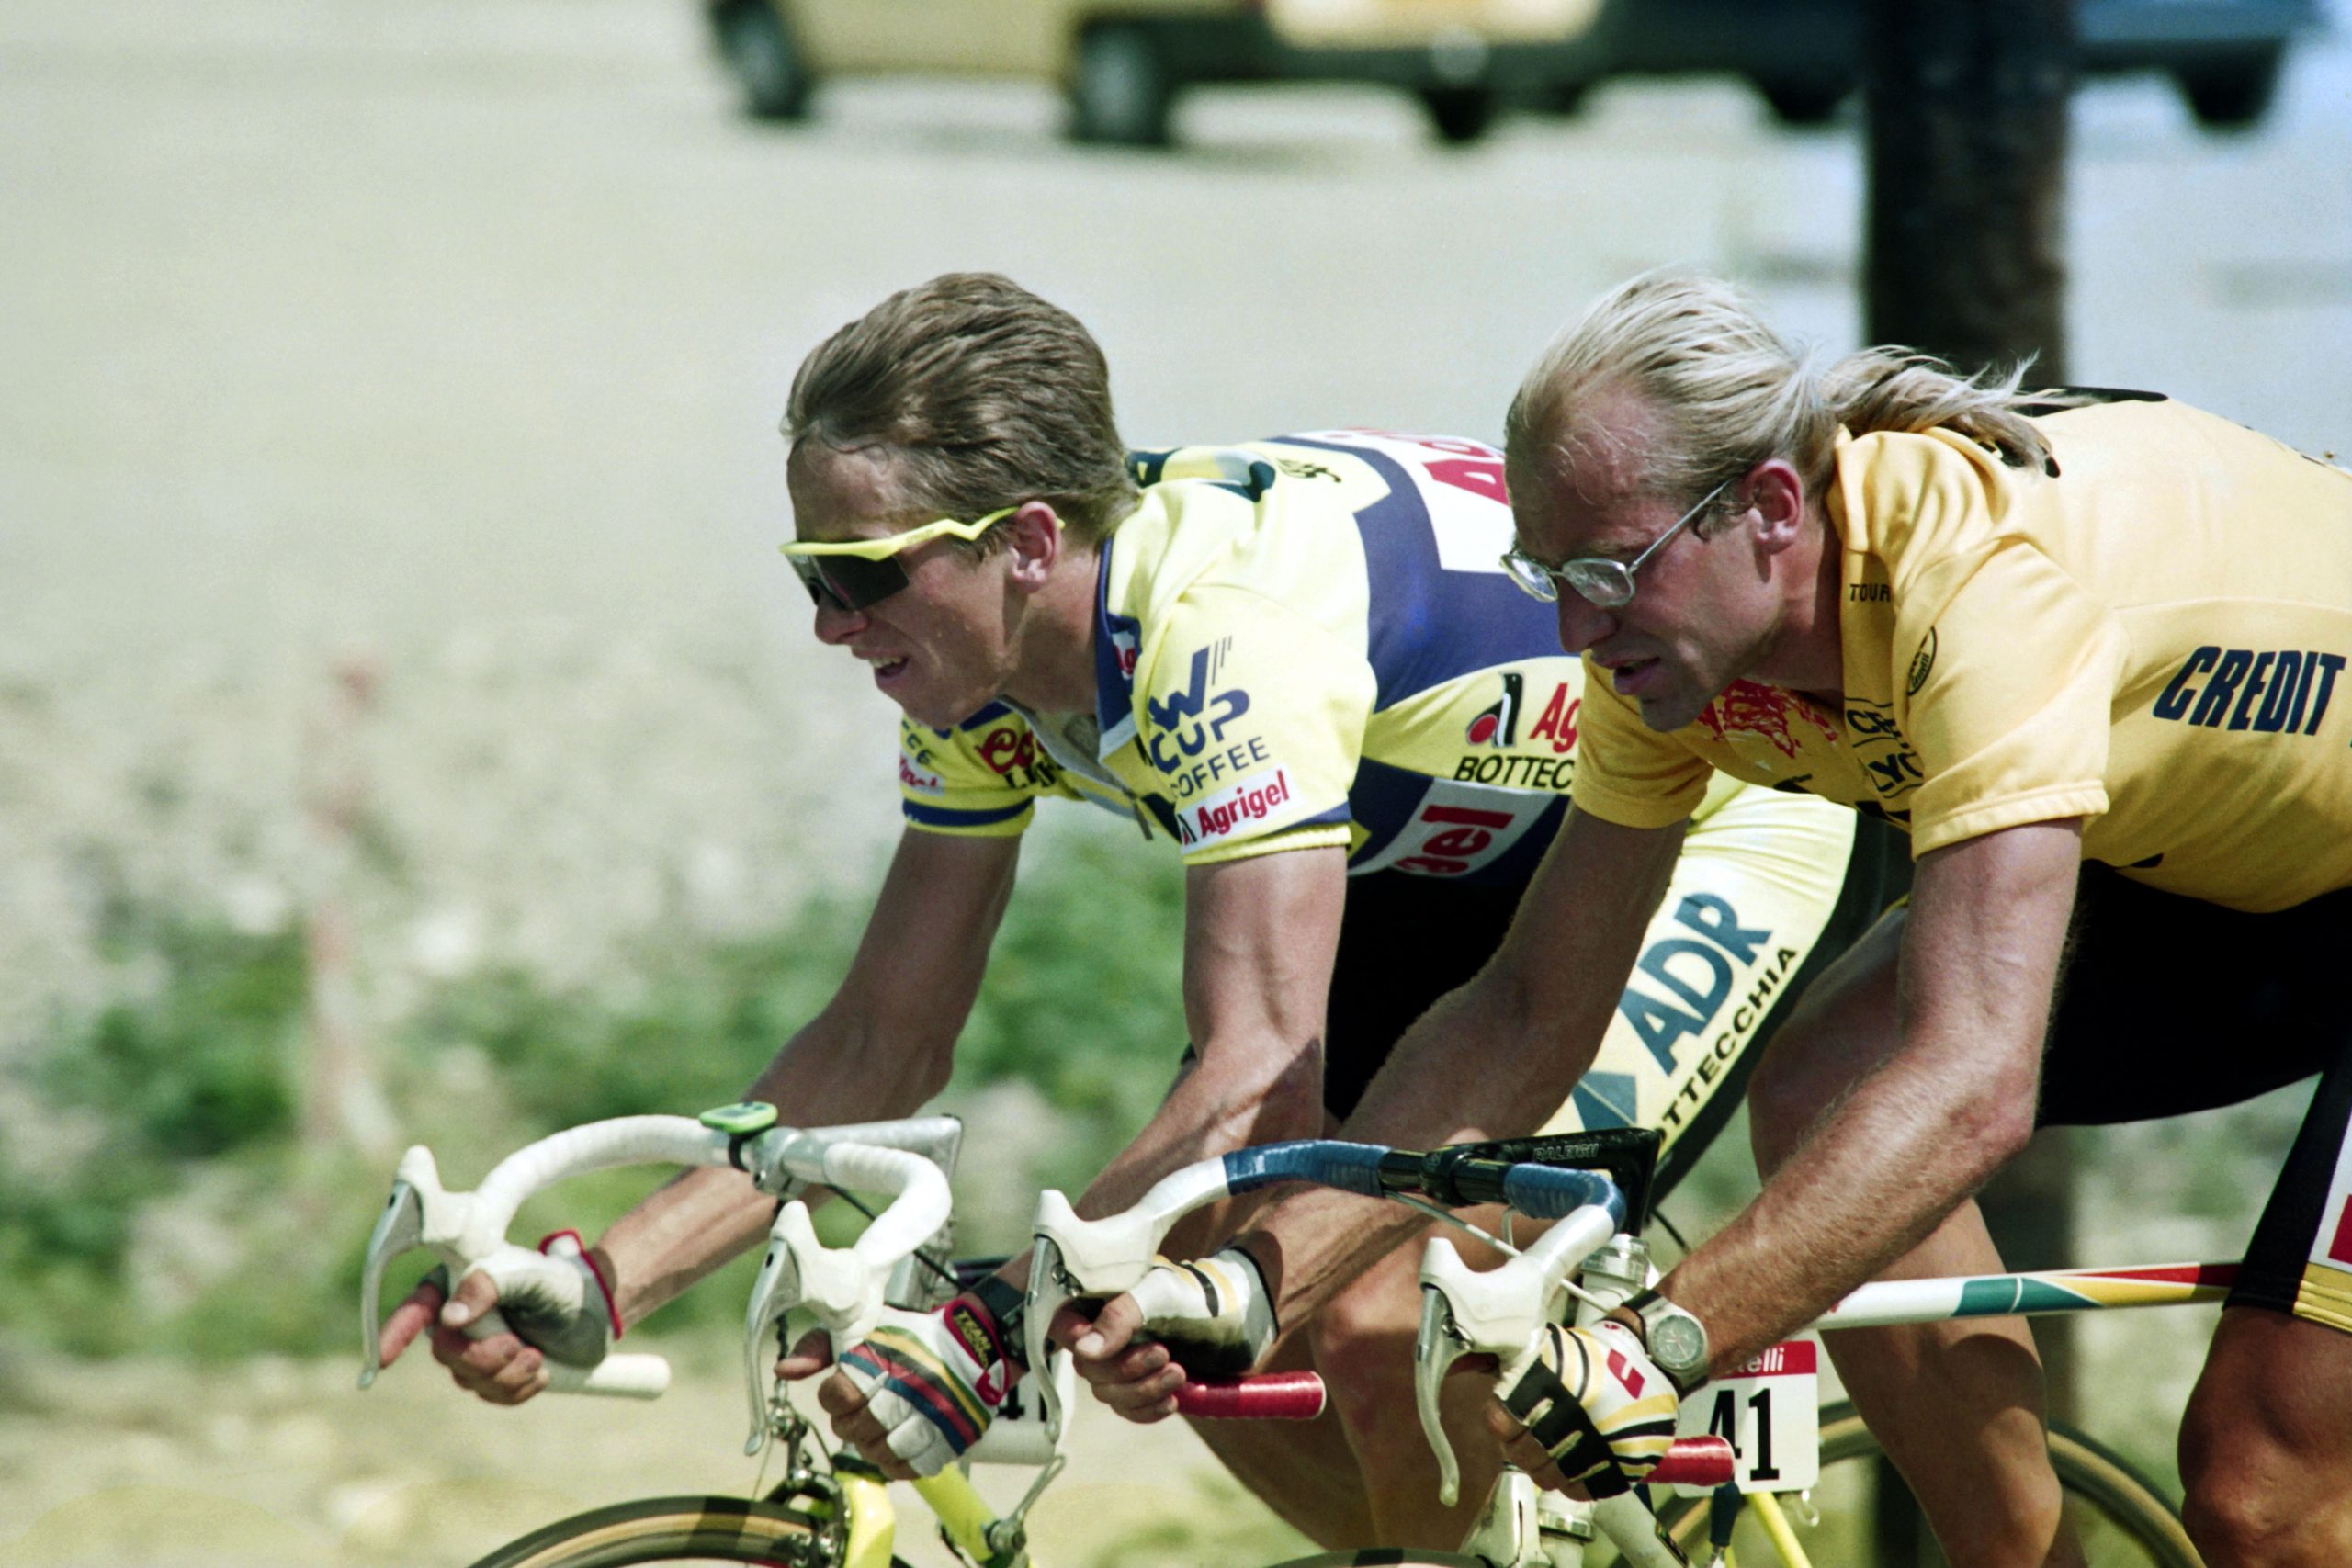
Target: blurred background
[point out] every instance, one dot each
(409, 733)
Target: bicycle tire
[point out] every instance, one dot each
(2118, 1507)
(672, 1529)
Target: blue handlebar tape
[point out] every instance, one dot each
(1545, 1192)
(1351, 1167)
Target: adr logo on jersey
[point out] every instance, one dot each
(920, 781)
(1498, 725)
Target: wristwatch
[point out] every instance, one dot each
(1675, 1339)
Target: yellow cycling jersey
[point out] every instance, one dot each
(1299, 642)
(2149, 636)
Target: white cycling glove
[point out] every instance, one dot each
(554, 1299)
(1213, 1313)
(1595, 1401)
(933, 1380)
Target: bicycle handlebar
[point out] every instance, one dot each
(1079, 1258)
(844, 1285)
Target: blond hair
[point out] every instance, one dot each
(1726, 392)
(980, 394)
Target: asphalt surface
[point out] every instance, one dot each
(449, 339)
(439, 348)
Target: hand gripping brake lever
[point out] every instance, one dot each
(462, 1230)
(844, 1287)
(1498, 1312)
(1079, 1259)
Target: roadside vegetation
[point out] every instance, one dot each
(178, 1202)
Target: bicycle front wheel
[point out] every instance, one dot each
(1866, 1516)
(673, 1529)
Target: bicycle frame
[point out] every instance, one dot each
(963, 1515)
(1890, 1302)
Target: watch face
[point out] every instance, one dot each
(1678, 1343)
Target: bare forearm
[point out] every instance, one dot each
(1948, 1102)
(1478, 1065)
(829, 1073)
(1879, 1173)
(1491, 1059)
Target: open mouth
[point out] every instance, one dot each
(1629, 677)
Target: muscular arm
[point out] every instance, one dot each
(1259, 939)
(881, 1048)
(1935, 1119)
(1490, 1059)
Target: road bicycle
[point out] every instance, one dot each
(1800, 1480)
(833, 1511)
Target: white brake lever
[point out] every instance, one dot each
(1498, 1312)
(455, 1225)
(1083, 1259)
(839, 1286)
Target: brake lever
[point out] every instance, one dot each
(1464, 1313)
(1050, 1289)
(1083, 1259)
(420, 1212)
(1437, 1345)
(399, 1228)
(799, 1269)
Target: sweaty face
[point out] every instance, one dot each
(1701, 608)
(940, 647)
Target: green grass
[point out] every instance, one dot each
(196, 1220)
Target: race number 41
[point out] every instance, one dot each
(1771, 1410)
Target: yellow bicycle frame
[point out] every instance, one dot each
(874, 1525)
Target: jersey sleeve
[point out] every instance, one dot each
(1627, 772)
(2004, 667)
(979, 780)
(1251, 716)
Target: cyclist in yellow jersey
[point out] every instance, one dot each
(2091, 657)
(1297, 665)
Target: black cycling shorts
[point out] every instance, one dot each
(2168, 1005)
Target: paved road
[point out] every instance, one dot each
(451, 335)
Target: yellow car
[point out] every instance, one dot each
(1121, 63)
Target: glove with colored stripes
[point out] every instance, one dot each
(1595, 1403)
(1211, 1313)
(932, 1380)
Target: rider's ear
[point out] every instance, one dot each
(1033, 541)
(1773, 493)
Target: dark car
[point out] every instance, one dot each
(1804, 56)
(1121, 62)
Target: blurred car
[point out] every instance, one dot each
(1804, 56)
(1121, 63)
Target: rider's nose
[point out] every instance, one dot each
(836, 626)
(1581, 624)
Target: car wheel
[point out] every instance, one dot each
(1799, 102)
(765, 60)
(1460, 115)
(2233, 93)
(1121, 94)
(1567, 97)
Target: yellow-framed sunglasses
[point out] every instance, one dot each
(855, 574)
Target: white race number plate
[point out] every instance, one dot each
(1770, 1409)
